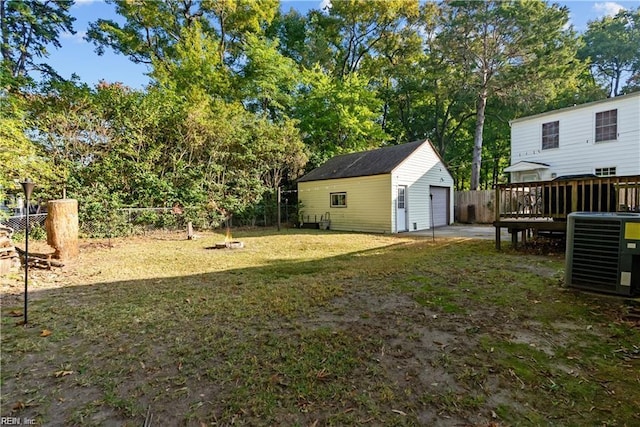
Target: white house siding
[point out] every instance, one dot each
(578, 153)
(418, 172)
(369, 203)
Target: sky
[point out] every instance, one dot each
(78, 56)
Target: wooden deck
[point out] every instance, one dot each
(531, 207)
(526, 228)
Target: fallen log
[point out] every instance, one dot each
(44, 263)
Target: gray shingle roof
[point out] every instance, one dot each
(364, 163)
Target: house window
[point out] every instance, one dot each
(338, 200)
(550, 135)
(607, 125)
(611, 171)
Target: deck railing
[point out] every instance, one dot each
(556, 199)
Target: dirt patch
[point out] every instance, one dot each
(419, 352)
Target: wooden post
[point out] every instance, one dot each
(574, 198)
(190, 230)
(62, 228)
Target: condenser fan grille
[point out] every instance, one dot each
(595, 253)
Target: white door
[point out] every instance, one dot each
(440, 205)
(401, 209)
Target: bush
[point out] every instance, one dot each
(36, 232)
(103, 219)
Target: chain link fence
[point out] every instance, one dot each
(19, 223)
(135, 221)
(131, 221)
(117, 222)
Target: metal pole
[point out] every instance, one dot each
(27, 186)
(26, 262)
(433, 228)
(279, 198)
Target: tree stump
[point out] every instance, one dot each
(62, 228)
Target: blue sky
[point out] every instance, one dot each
(79, 57)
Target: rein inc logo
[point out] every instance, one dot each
(17, 421)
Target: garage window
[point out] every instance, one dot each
(338, 200)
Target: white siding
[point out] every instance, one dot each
(419, 171)
(578, 153)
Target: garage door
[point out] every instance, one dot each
(440, 202)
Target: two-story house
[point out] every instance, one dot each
(598, 138)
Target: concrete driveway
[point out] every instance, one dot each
(473, 231)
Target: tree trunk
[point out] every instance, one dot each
(62, 228)
(477, 141)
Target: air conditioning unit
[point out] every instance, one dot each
(603, 252)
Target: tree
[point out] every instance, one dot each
(64, 126)
(337, 116)
(267, 79)
(150, 31)
(612, 46)
(394, 65)
(19, 156)
(235, 19)
(507, 48)
(221, 137)
(28, 27)
(194, 63)
(365, 27)
(280, 150)
(153, 28)
(230, 156)
(290, 29)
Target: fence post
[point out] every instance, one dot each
(574, 197)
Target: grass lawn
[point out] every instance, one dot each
(314, 328)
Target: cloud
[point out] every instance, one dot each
(609, 8)
(569, 22)
(325, 5)
(79, 3)
(78, 37)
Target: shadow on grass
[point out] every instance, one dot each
(345, 339)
